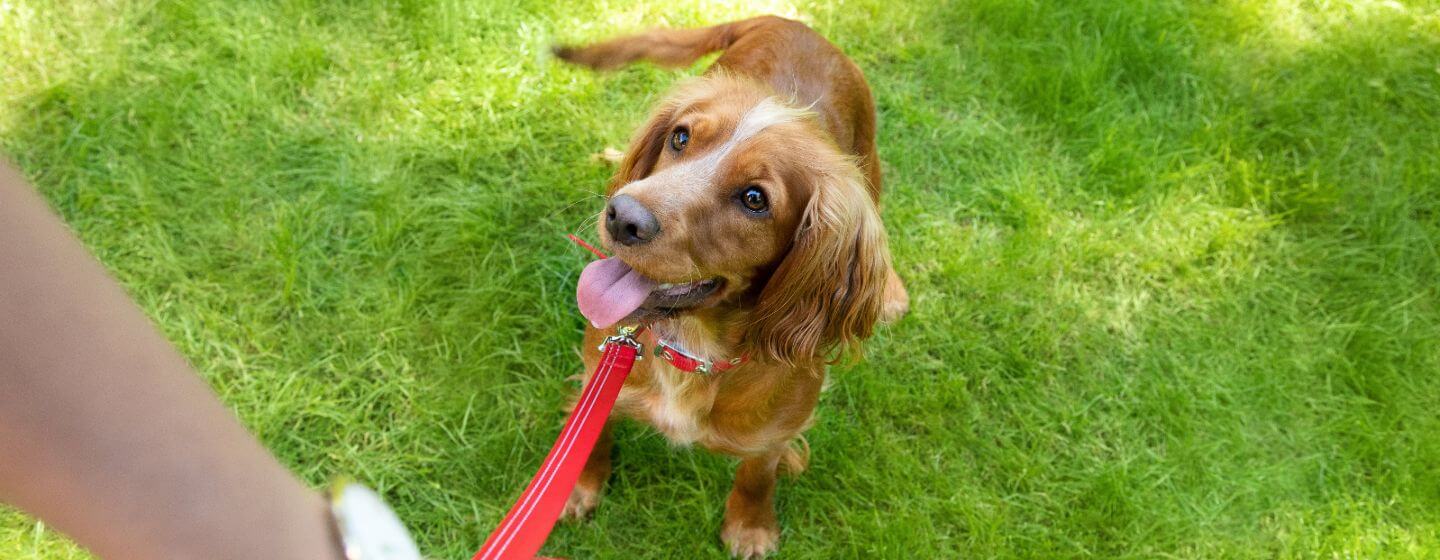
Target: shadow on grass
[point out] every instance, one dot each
(1173, 265)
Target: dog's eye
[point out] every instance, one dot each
(680, 138)
(754, 199)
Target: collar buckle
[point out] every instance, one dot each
(684, 361)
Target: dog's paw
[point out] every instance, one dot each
(750, 542)
(893, 310)
(896, 302)
(581, 504)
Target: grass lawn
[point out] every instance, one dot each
(1174, 265)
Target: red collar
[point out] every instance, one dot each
(682, 361)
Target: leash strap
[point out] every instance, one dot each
(524, 529)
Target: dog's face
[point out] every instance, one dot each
(713, 196)
(728, 197)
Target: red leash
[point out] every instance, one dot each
(588, 247)
(524, 529)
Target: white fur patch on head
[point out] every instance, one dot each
(698, 174)
(769, 112)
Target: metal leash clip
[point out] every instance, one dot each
(626, 336)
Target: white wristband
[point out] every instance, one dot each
(368, 529)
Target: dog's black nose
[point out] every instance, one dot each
(629, 222)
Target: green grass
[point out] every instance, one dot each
(1174, 265)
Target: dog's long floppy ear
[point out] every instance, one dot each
(644, 148)
(828, 291)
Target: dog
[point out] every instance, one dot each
(745, 231)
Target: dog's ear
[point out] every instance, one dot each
(644, 148)
(827, 293)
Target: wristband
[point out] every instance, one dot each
(367, 528)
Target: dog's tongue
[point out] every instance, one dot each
(609, 290)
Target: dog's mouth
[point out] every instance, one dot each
(610, 291)
(668, 299)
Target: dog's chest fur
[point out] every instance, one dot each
(741, 411)
(675, 403)
(687, 407)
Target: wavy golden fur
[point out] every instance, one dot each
(781, 110)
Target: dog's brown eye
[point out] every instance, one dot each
(680, 138)
(754, 199)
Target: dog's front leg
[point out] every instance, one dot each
(586, 494)
(751, 529)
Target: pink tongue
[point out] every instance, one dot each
(609, 290)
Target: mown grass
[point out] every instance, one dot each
(1173, 264)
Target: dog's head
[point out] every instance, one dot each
(730, 197)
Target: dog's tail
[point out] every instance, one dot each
(666, 47)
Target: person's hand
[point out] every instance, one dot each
(107, 434)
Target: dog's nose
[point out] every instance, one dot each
(629, 222)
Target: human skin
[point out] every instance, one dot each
(107, 434)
